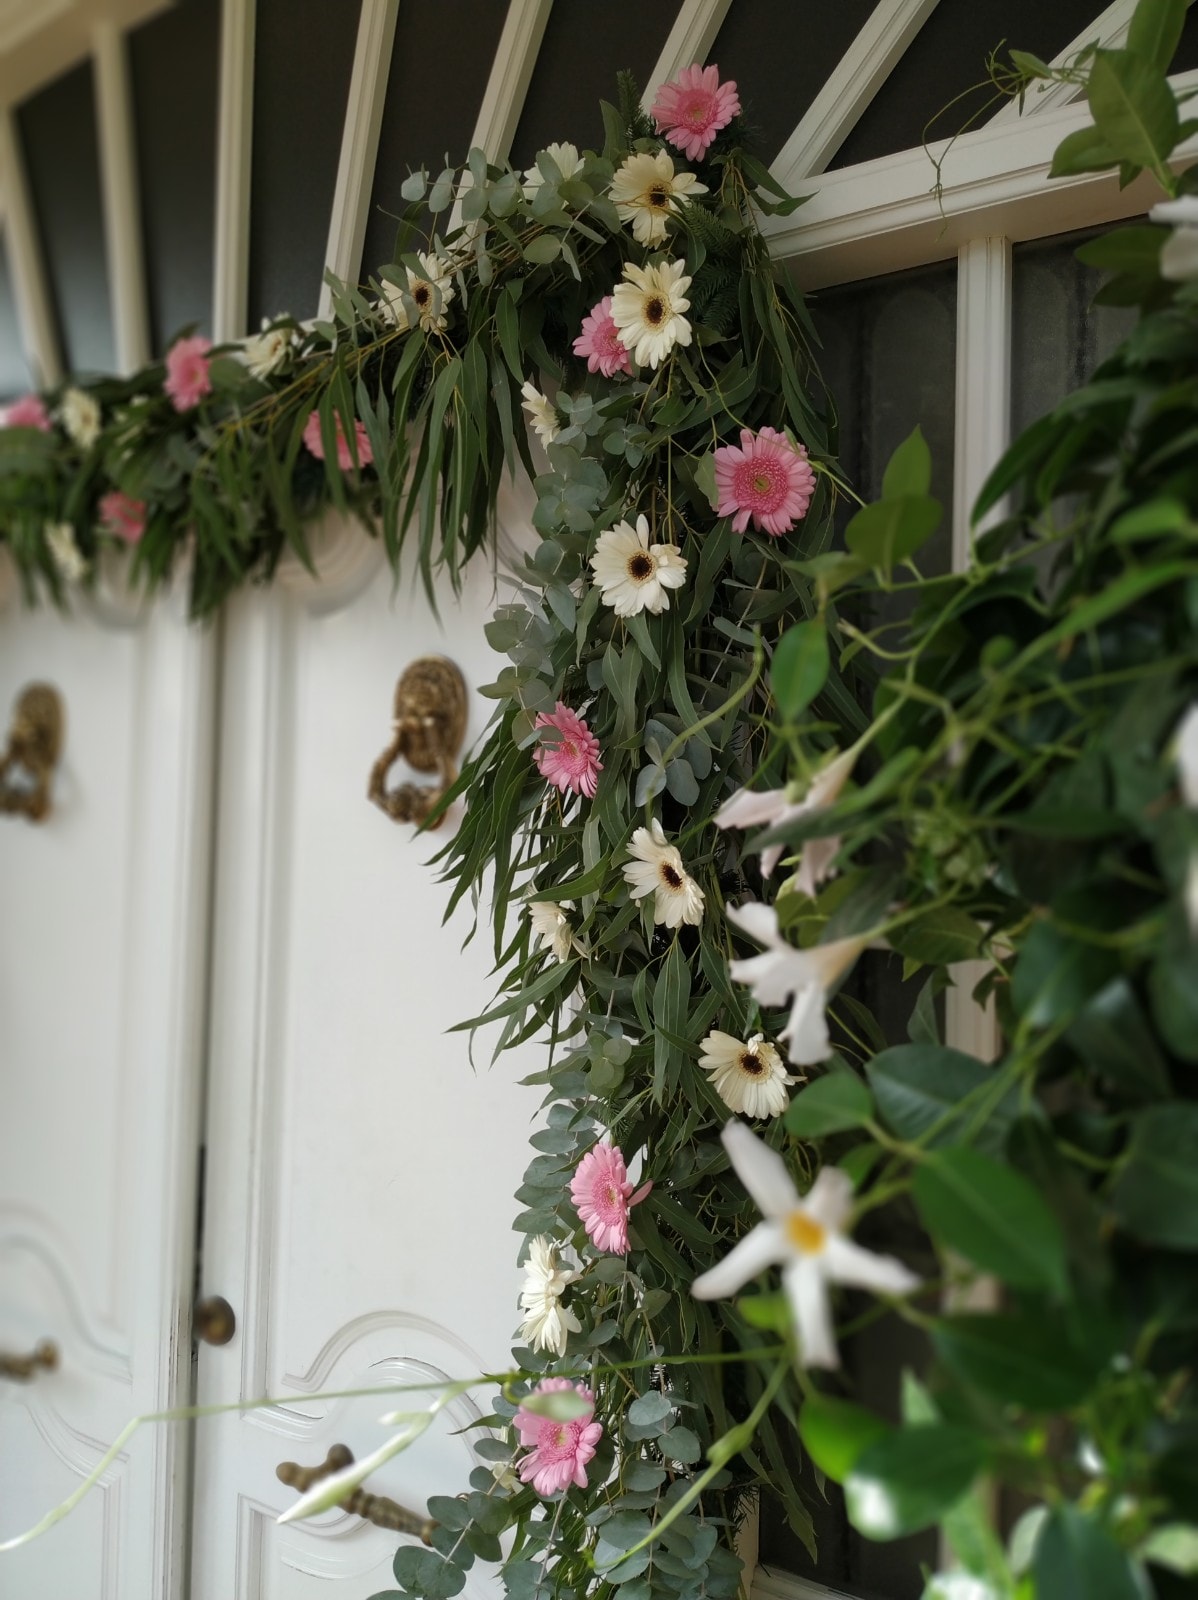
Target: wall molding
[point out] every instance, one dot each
(688, 42)
(234, 157)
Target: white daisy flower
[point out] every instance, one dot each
(773, 806)
(265, 352)
(79, 414)
(783, 972)
(647, 310)
(551, 925)
(633, 575)
(541, 413)
(646, 191)
(748, 1075)
(657, 869)
(429, 290)
(565, 157)
(547, 1323)
(806, 1237)
(68, 559)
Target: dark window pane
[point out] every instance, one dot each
(778, 84)
(1058, 335)
(947, 58)
(14, 374)
(303, 59)
(175, 123)
(427, 115)
(584, 47)
(1186, 58)
(57, 130)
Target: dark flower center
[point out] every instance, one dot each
(659, 197)
(640, 567)
(654, 311)
(751, 1063)
(421, 294)
(670, 875)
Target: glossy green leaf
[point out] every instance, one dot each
(992, 1216)
(891, 531)
(835, 1433)
(909, 1479)
(1156, 1197)
(1083, 151)
(1133, 107)
(1077, 1559)
(909, 470)
(940, 937)
(930, 1093)
(830, 1104)
(799, 668)
(1155, 30)
(1016, 1357)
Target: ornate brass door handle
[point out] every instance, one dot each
(21, 1368)
(430, 724)
(372, 1507)
(31, 755)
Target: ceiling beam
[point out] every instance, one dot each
(234, 155)
(121, 201)
(359, 145)
(854, 81)
(1108, 30)
(511, 73)
(884, 215)
(35, 312)
(688, 43)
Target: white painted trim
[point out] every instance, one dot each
(511, 73)
(35, 313)
(234, 150)
(687, 44)
(881, 216)
(359, 145)
(1108, 30)
(121, 199)
(983, 391)
(771, 1583)
(52, 36)
(852, 84)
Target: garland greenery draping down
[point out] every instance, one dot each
(715, 782)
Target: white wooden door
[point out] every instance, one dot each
(102, 934)
(360, 1173)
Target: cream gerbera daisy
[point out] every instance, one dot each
(633, 575)
(547, 1323)
(646, 191)
(565, 158)
(265, 352)
(551, 925)
(647, 310)
(541, 413)
(658, 869)
(748, 1075)
(79, 413)
(69, 561)
(430, 290)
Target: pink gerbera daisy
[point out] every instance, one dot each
(599, 341)
(766, 478)
(692, 108)
(28, 412)
(602, 1192)
(570, 760)
(560, 1450)
(188, 378)
(122, 516)
(314, 440)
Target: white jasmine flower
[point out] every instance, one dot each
(633, 575)
(748, 1076)
(1179, 258)
(551, 925)
(646, 191)
(565, 157)
(541, 413)
(68, 559)
(547, 1323)
(774, 806)
(783, 971)
(806, 1238)
(647, 310)
(429, 290)
(265, 352)
(79, 414)
(1185, 740)
(658, 869)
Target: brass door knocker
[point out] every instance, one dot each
(430, 724)
(31, 755)
(374, 1508)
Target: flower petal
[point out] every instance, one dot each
(808, 1296)
(850, 1263)
(763, 1247)
(830, 1198)
(758, 921)
(761, 1170)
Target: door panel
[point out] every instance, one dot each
(360, 1170)
(102, 939)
